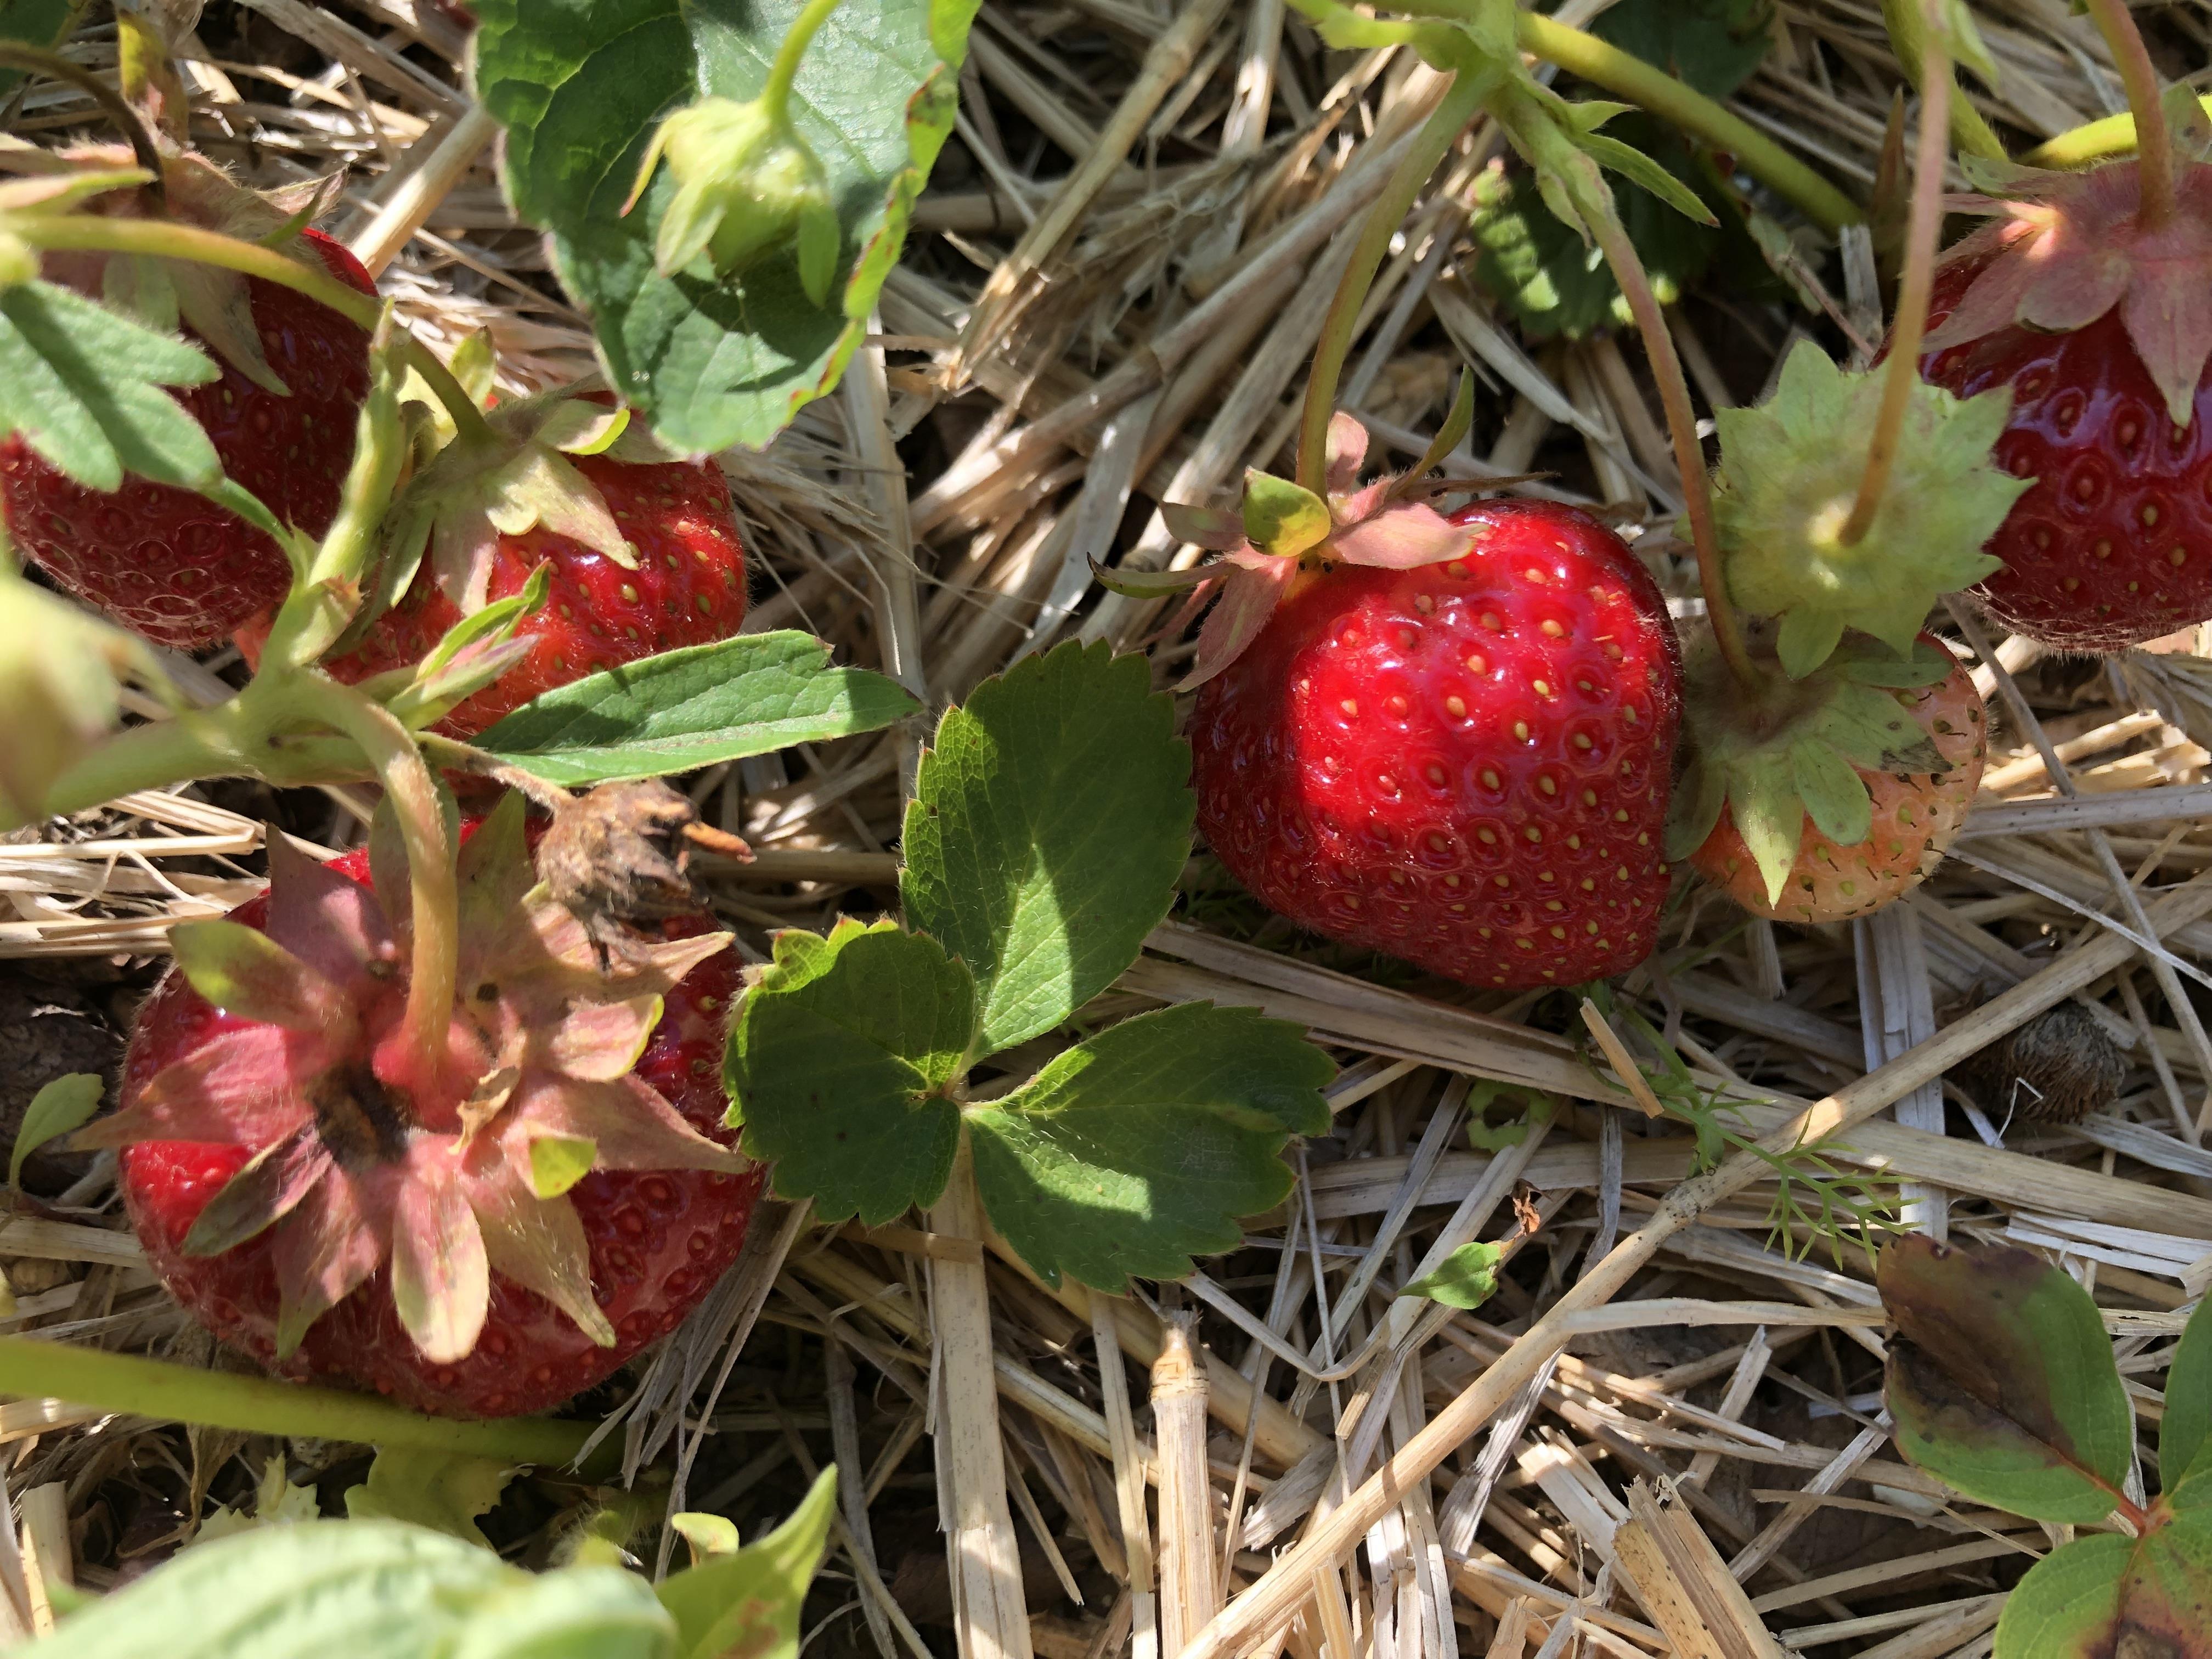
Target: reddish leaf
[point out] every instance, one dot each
(2001, 1380)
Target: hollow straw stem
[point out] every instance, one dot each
(117, 108)
(33, 1367)
(1619, 250)
(1460, 103)
(433, 885)
(776, 96)
(165, 238)
(1903, 374)
(2153, 146)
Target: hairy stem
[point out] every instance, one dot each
(1627, 266)
(93, 233)
(776, 96)
(188, 1394)
(2153, 146)
(1450, 118)
(113, 104)
(1908, 33)
(433, 881)
(1629, 76)
(1903, 374)
(205, 743)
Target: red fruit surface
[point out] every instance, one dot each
(1915, 819)
(2113, 543)
(170, 564)
(688, 588)
(658, 1240)
(1465, 764)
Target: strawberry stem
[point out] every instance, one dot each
(776, 96)
(1627, 266)
(117, 109)
(434, 884)
(1446, 122)
(1648, 88)
(2153, 146)
(1908, 33)
(33, 1368)
(2078, 147)
(1903, 374)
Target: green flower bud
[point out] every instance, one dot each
(747, 185)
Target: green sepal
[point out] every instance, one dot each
(1807, 762)
(1835, 793)
(1790, 473)
(1283, 518)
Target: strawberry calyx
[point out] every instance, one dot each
(2064, 248)
(448, 1182)
(1797, 753)
(1790, 475)
(506, 476)
(1282, 533)
(165, 292)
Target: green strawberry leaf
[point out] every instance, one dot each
(2001, 1380)
(1770, 815)
(743, 1604)
(841, 1066)
(2114, 1595)
(692, 708)
(35, 23)
(442, 1491)
(1556, 283)
(64, 1104)
(369, 1589)
(2184, 1434)
(84, 388)
(1715, 45)
(1139, 1149)
(1468, 1277)
(582, 85)
(1050, 821)
(2067, 1604)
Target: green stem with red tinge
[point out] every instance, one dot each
(1462, 100)
(2153, 145)
(1910, 324)
(433, 884)
(86, 232)
(35, 1368)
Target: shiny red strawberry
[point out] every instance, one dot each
(491, 1244)
(1906, 761)
(2099, 323)
(170, 564)
(663, 568)
(1464, 762)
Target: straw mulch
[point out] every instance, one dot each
(1733, 1366)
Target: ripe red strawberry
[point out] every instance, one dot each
(688, 587)
(2099, 327)
(1464, 764)
(162, 561)
(488, 1246)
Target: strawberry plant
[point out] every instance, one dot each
(1049, 822)
(2001, 1384)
